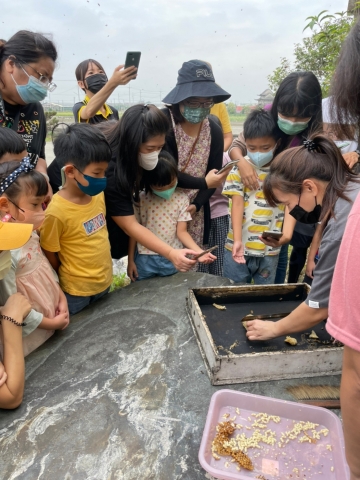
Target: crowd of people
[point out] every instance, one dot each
(164, 186)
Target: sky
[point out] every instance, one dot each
(242, 39)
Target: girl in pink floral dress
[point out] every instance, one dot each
(196, 141)
(22, 193)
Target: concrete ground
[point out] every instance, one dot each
(121, 394)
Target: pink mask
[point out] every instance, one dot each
(29, 216)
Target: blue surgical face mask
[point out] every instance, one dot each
(291, 128)
(166, 194)
(260, 159)
(34, 91)
(195, 115)
(96, 185)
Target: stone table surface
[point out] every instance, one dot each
(121, 394)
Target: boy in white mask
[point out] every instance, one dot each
(12, 314)
(247, 257)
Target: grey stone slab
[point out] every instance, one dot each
(121, 394)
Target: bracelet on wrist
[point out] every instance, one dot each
(9, 319)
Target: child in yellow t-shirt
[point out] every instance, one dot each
(74, 236)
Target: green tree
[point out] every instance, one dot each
(318, 52)
(279, 74)
(231, 108)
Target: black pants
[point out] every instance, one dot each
(300, 244)
(296, 263)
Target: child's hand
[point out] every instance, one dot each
(63, 305)
(238, 252)
(3, 374)
(132, 271)
(272, 242)
(207, 258)
(310, 268)
(61, 321)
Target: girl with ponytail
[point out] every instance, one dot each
(316, 185)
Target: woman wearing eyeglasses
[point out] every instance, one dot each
(27, 63)
(196, 140)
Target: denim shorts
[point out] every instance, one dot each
(153, 266)
(260, 269)
(77, 303)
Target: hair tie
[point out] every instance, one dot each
(25, 167)
(310, 145)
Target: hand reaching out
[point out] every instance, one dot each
(238, 252)
(207, 258)
(260, 330)
(123, 76)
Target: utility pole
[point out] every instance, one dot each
(129, 96)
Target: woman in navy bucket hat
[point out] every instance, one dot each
(196, 79)
(196, 140)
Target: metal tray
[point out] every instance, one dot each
(230, 358)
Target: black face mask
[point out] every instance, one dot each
(303, 216)
(96, 82)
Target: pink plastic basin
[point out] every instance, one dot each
(306, 461)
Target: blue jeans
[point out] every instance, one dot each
(282, 265)
(153, 266)
(261, 269)
(77, 303)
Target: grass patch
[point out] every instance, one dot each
(65, 114)
(237, 118)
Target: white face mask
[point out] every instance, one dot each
(148, 161)
(5, 263)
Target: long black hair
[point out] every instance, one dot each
(138, 124)
(345, 88)
(27, 47)
(299, 95)
(324, 162)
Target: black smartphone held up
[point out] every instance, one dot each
(132, 59)
(270, 234)
(228, 166)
